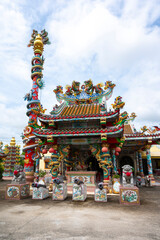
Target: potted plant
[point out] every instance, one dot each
(42, 174)
(116, 176)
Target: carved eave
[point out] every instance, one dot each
(110, 131)
(110, 116)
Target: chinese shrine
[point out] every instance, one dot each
(84, 138)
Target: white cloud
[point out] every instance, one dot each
(89, 40)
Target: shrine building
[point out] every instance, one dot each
(84, 138)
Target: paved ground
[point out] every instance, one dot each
(35, 220)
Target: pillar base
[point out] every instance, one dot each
(29, 179)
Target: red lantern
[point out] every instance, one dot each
(117, 153)
(118, 149)
(104, 149)
(44, 151)
(51, 150)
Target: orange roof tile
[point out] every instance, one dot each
(77, 110)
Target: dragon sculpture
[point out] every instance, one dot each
(76, 88)
(38, 40)
(69, 90)
(150, 130)
(60, 153)
(118, 103)
(39, 109)
(28, 96)
(98, 88)
(125, 118)
(109, 84)
(74, 95)
(59, 89)
(43, 34)
(33, 36)
(89, 88)
(104, 161)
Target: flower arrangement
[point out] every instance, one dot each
(116, 176)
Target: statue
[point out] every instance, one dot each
(127, 175)
(147, 181)
(19, 175)
(81, 166)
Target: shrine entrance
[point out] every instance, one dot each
(83, 160)
(85, 167)
(94, 166)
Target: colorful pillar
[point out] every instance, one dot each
(104, 159)
(37, 158)
(137, 161)
(114, 161)
(29, 164)
(149, 163)
(106, 163)
(140, 163)
(34, 107)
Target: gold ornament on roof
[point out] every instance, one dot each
(38, 44)
(13, 142)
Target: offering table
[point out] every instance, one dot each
(88, 177)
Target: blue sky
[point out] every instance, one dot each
(101, 40)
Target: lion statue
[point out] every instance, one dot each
(19, 175)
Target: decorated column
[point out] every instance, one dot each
(103, 157)
(34, 107)
(37, 159)
(149, 163)
(59, 154)
(137, 161)
(140, 163)
(114, 161)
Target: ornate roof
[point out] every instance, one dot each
(78, 131)
(84, 109)
(144, 136)
(74, 113)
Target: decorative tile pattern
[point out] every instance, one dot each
(129, 195)
(40, 193)
(100, 195)
(79, 192)
(59, 191)
(17, 191)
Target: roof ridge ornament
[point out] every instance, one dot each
(87, 93)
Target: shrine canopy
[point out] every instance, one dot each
(82, 112)
(82, 103)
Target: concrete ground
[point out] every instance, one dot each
(46, 219)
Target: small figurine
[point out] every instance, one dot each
(139, 181)
(147, 181)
